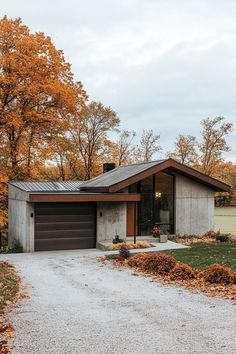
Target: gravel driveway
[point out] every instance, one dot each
(78, 305)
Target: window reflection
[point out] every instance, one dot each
(157, 203)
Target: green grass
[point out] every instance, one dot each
(202, 255)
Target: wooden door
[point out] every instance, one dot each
(130, 218)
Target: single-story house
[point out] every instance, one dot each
(125, 201)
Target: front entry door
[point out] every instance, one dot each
(131, 218)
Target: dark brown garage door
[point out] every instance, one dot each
(61, 226)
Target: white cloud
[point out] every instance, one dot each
(163, 64)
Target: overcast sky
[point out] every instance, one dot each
(161, 64)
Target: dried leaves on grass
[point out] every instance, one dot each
(209, 239)
(9, 284)
(9, 293)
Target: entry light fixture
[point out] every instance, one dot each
(157, 195)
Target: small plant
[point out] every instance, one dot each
(117, 239)
(137, 260)
(182, 272)
(124, 252)
(218, 274)
(159, 263)
(156, 231)
(16, 247)
(222, 238)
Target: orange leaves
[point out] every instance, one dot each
(158, 263)
(219, 274)
(38, 94)
(217, 280)
(9, 286)
(182, 272)
(6, 333)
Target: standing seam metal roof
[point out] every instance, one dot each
(47, 186)
(119, 174)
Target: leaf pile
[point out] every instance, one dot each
(216, 280)
(158, 263)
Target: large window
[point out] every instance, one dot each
(164, 201)
(146, 206)
(157, 203)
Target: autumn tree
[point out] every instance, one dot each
(213, 145)
(60, 159)
(89, 134)
(37, 94)
(185, 150)
(147, 147)
(123, 147)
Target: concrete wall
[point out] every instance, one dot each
(20, 222)
(111, 220)
(194, 207)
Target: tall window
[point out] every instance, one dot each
(157, 203)
(146, 206)
(164, 201)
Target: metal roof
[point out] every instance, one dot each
(47, 186)
(121, 177)
(118, 174)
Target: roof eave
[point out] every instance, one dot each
(85, 197)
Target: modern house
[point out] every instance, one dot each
(125, 201)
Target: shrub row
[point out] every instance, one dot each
(163, 264)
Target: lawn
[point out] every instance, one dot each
(9, 284)
(202, 255)
(225, 219)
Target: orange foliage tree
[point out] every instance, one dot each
(185, 150)
(38, 94)
(89, 136)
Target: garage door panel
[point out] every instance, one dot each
(64, 226)
(86, 233)
(63, 211)
(62, 244)
(47, 226)
(67, 218)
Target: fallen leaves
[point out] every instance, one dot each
(9, 285)
(7, 333)
(9, 294)
(198, 285)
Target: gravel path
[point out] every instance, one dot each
(78, 305)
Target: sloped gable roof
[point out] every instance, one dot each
(118, 175)
(123, 176)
